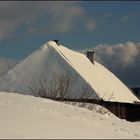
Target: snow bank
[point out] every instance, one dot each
(24, 116)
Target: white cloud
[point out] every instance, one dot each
(128, 53)
(121, 54)
(129, 17)
(6, 64)
(14, 14)
(64, 16)
(59, 17)
(125, 18)
(91, 25)
(39, 17)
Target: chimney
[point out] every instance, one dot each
(57, 42)
(90, 55)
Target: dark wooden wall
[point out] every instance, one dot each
(128, 111)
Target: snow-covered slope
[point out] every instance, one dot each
(52, 58)
(24, 116)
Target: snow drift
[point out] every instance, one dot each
(52, 58)
(25, 117)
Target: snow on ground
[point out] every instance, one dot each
(25, 116)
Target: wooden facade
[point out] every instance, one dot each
(128, 111)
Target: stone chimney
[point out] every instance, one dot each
(57, 42)
(90, 55)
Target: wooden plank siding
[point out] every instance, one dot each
(128, 111)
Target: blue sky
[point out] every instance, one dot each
(111, 28)
(25, 26)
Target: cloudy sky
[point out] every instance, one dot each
(110, 28)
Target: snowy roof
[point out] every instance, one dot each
(51, 57)
(104, 82)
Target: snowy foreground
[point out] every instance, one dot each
(24, 116)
